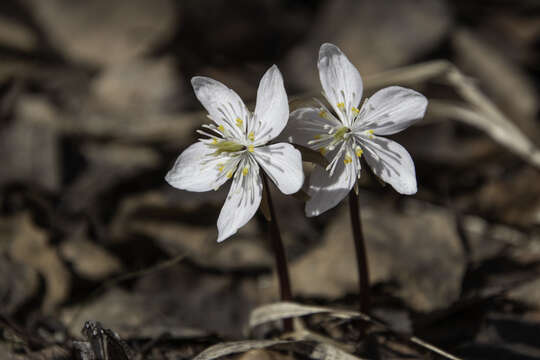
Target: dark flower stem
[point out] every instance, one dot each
(279, 253)
(361, 256)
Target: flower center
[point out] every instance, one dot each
(228, 146)
(328, 141)
(339, 135)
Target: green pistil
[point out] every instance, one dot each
(340, 134)
(226, 147)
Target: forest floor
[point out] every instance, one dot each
(96, 104)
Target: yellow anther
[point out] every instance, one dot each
(251, 148)
(341, 105)
(370, 132)
(229, 174)
(317, 137)
(323, 151)
(245, 170)
(355, 110)
(358, 151)
(220, 167)
(323, 114)
(239, 122)
(221, 128)
(214, 141)
(251, 136)
(347, 159)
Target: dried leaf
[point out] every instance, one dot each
(479, 112)
(236, 347)
(89, 259)
(30, 246)
(18, 283)
(322, 351)
(284, 310)
(314, 350)
(512, 88)
(126, 28)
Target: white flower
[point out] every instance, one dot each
(354, 132)
(235, 146)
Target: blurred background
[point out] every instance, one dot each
(96, 104)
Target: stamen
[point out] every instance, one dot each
(214, 141)
(210, 136)
(245, 170)
(333, 164)
(355, 110)
(347, 159)
(229, 174)
(323, 151)
(341, 105)
(251, 148)
(370, 132)
(239, 122)
(221, 166)
(358, 151)
(323, 114)
(251, 136)
(221, 128)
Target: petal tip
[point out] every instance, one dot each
(199, 82)
(413, 190)
(169, 179)
(410, 188)
(224, 236)
(329, 47)
(195, 81)
(329, 50)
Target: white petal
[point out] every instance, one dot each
(272, 109)
(283, 164)
(340, 80)
(240, 205)
(223, 104)
(392, 163)
(393, 109)
(325, 191)
(304, 124)
(196, 170)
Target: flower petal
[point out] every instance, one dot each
(325, 191)
(223, 104)
(196, 170)
(393, 109)
(283, 164)
(340, 80)
(241, 204)
(306, 124)
(272, 109)
(392, 163)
